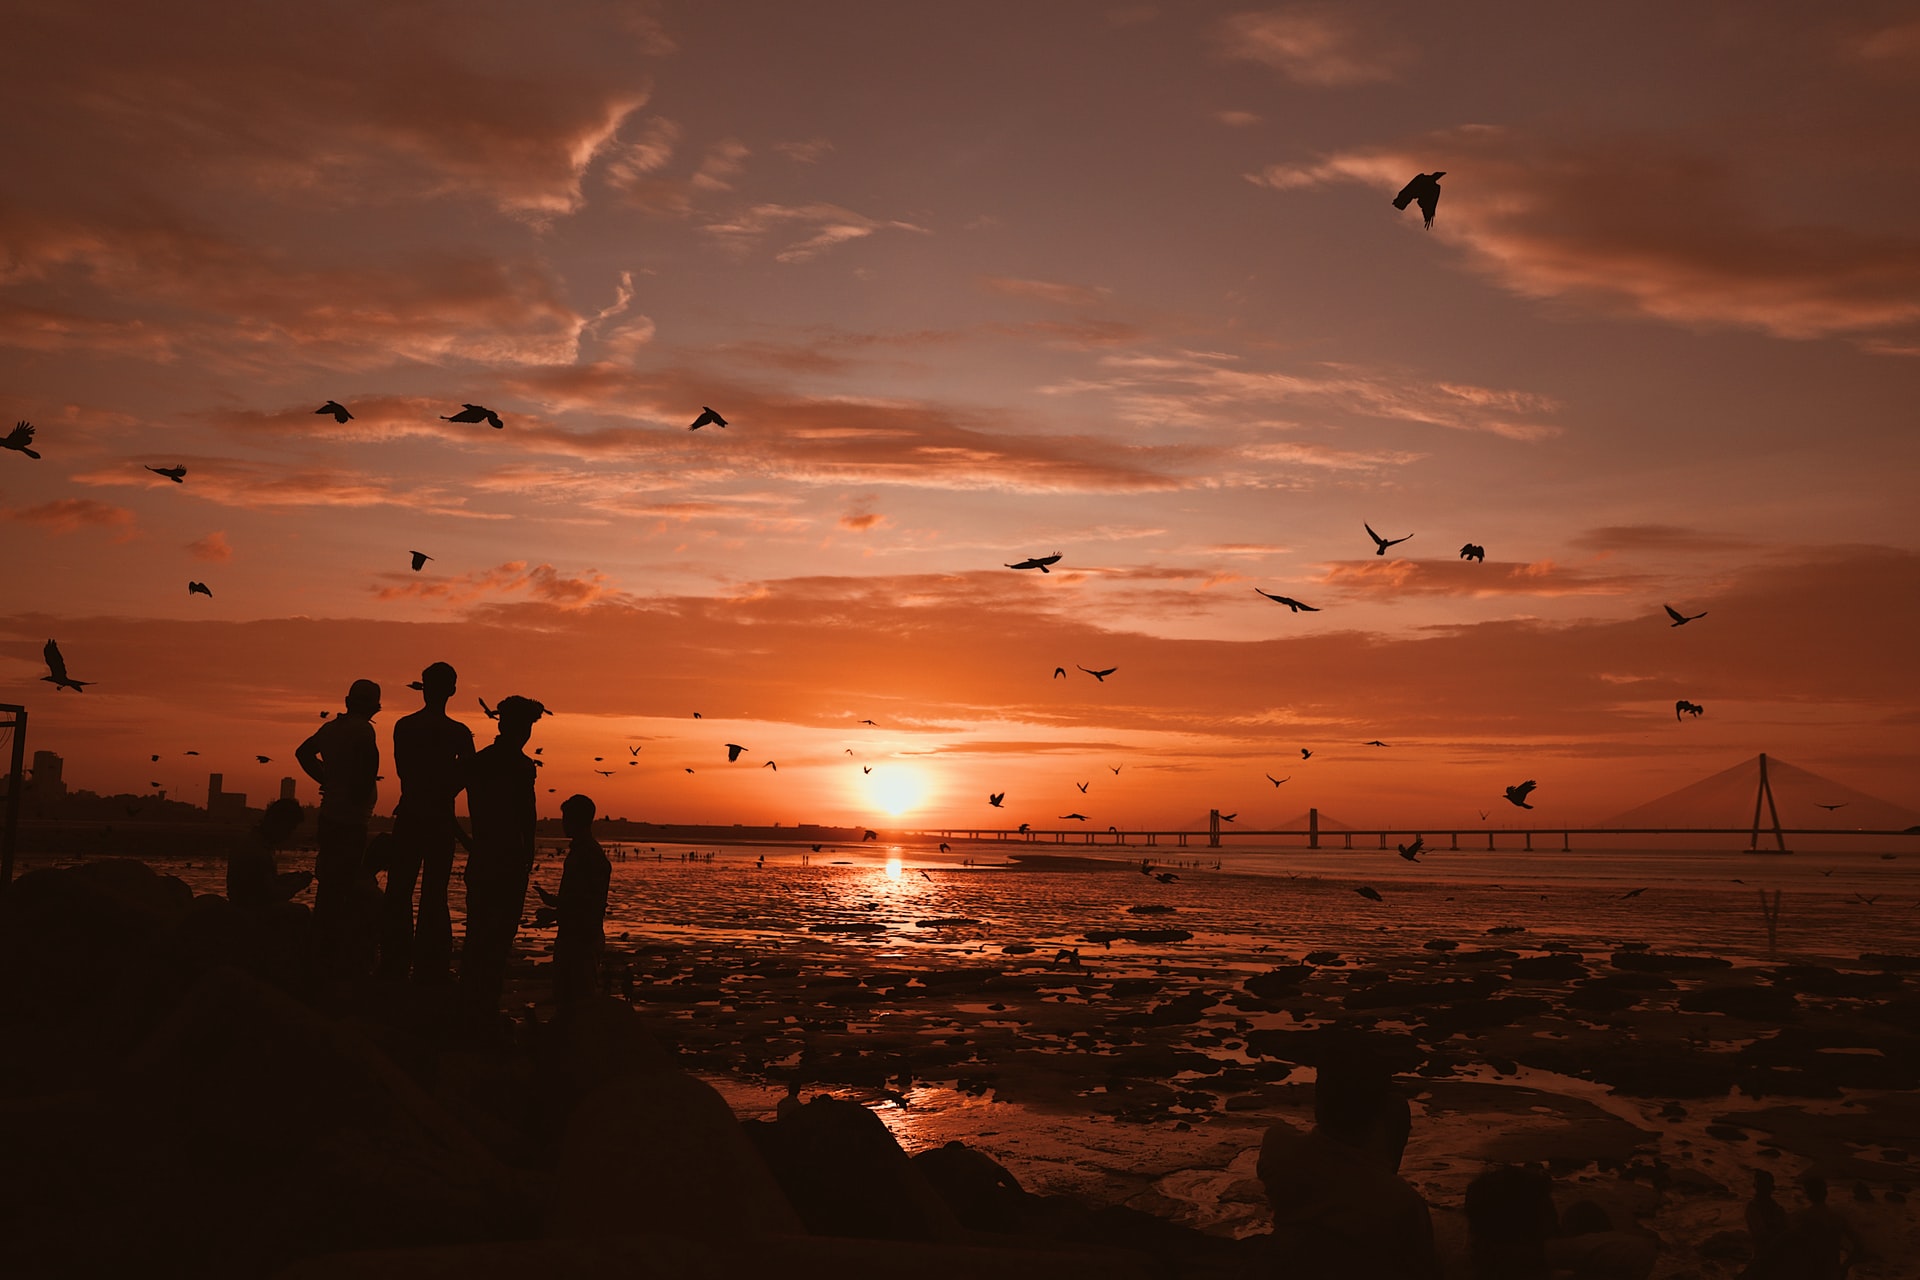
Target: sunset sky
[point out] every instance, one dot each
(971, 283)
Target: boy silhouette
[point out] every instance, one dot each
(583, 904)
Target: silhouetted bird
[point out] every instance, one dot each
(1691, 708)
(633, 751)
(1069, 956)
(1375, 743)
(733, 751)
(707, 418)
(1412, 852)
(20, 439)
(1484, 814)
(1633, 893)
(871, 835)
(1475, 552)
(605, 773)
(1381, 544)
(1059, 673)
(1293, 606)
(1228, 817)
(1025, 826)
(264, 759)
(1115, 768)
(771, 765)
(199, 589)
(1164, 877)
(1074, 817)
(1038, 562)
(1083, 787)
(866, 768)
(870, 722)
(1518, 795)
(57, 671)
(155, 759)
(1424, 188)
(491, 713)
(1277, 781)
(475, 413)
(176, 474)
(1101, 676)
(1369, 893)
(1305, 754)
(925, 876)
(995, 798)
(191, 753)
(696, 715)
(420, 558)
(1682, 619)
(1831, 807)
(338, 410)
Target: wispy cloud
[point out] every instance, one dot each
(69, 515)
(541, 582)
(1320, 46)
(1386, 579)
(1064, 295)
(820, 227)
(213, 548)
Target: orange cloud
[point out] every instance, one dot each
(67, 515)
(1381, 578)
(1321, 46)
(541, 582)
(213, 547)
(822, 226)
(1064, 295)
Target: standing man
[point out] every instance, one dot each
(343, 757)
(431, 751)
(500, 786)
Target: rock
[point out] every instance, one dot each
(1146, 937)
(1759, 1004)
(662, 1152)
(1398, 995)
(846, 1176)
(1655, 962)
(1280, 981)
(1439, 944)
(1890, 963)
(1324, 958)
(1560, 966)
(977, 1188)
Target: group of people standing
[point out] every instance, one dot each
(434, 755)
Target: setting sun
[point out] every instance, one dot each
(897, 789)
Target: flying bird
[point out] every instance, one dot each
(1076, 817)
(866, 768)
(1228, 817)
(1164, 877)
(871, 835)
(57, 671)
(420, 558)
(733, 751)
(1305, 754)
(154, 759)
(1101, 676)
(1633, 893)
(1693, 709)
(264, 759)
(199, 589)
(1038, 562)
(869, 722)
(696, 715)
(338, 410)
(1059, 673)
(1083, 787)
(1369, 893)
(995, 798)
(1425, 189)
(605, 773)
(191, 753)
(1484, 814)
(771, 765)
(491, 713)
(1412, 852)
(1375, 743)
(475, 413)
(1115, 768)
(707, 418)
(1475, 552)
(1277, 781)
(633, 751)
(176, 474)
(1682, 619)
(1831, 807)
(1518, 795)
(1381, 544)
(1293, 606)
(20, 439)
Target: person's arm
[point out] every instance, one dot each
(309, 754)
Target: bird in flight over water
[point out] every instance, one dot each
(1375, 743)
(1381, 544)
(1475, 552)
(1425, 188)
(1691, 708)
(771, 765)
(1077, 817)
(1412, 852)
(57, 670)
(1293, 606)
(1101, 676)
(1228, 817)
(1369, 893)
(1059, 673)
(1038, 562)
(475, 413)
(1633, 893)
(733, 751)
(1518, 795)
(20, 439)
(199, 589)
(338, 410)
(1682, 619)
(605, 773)
(870, 722)
(1305, 754)
(995, 798)
(1083, 786)
(176, 474)
(1277, 781)
(419, 558)
(707, 418)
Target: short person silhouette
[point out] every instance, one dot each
(584, 880)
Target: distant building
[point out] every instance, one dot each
(286, 789)
(223, 804)
(48, 784)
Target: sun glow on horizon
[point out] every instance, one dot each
(897, 789)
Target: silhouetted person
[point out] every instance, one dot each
(581, 941)
(431, 751)
(500, 786)
(1766, 1227)
(254, 879)
(1818, 1243)
(1340, 1208)
(344, 758)
(1510, 1219)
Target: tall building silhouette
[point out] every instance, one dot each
(48, 784)
(223, 804)
(286, 789)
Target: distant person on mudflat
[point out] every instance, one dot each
(500, 800)
(431, 752)
(1818, 1244)
(584, 879)
(254, 879)
(344, 758)
(1340, 1209)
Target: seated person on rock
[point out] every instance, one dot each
(1340, 1208)
(1517, 1234)
(254, 878)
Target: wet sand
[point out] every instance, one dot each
(1649, 1049)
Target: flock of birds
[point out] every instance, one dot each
(1423, 190)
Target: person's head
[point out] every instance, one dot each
(1351, 1089)
(1763, 1183)
(279, 821)
(516, 715)
(437, 683)
(1814, 1187)
(1510, 1218)
(576, 816)
(363, 699)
